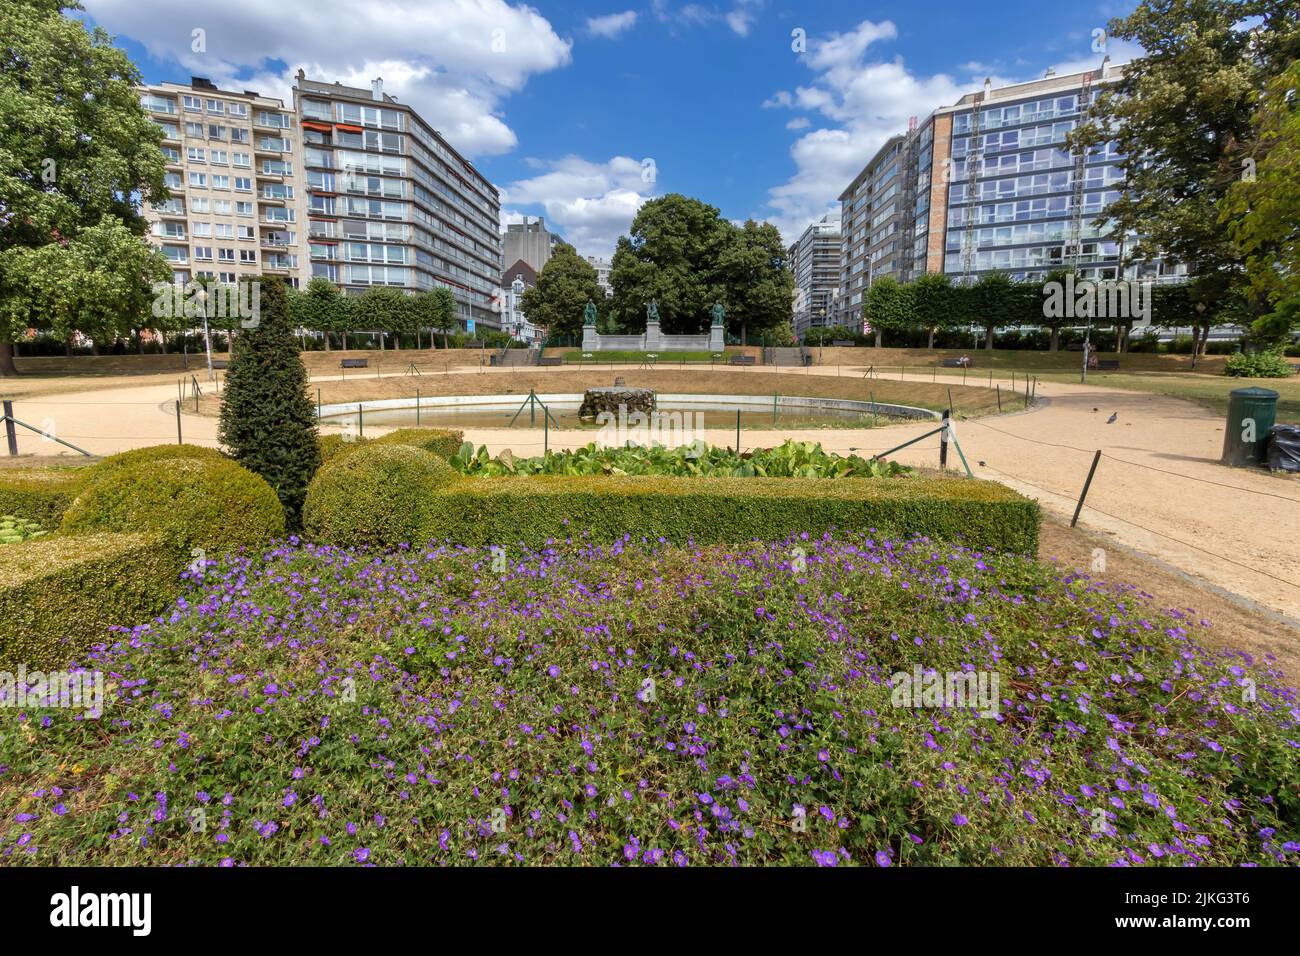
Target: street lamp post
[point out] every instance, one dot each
(207, 337)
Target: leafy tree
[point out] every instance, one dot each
(671, 256)
(267, 422)
(1180, 116)
(888, 307)
(1262, 209)
(320, 308)
(933, 298)
(995, 304)
(564, 287)
(435, 310)
(385, 310)
(100, 283)
(757, 285)
(76, 149)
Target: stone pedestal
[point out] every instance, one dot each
(590, 340)
(716, 340)
(653, 341)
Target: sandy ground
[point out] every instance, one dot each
(1158, 491)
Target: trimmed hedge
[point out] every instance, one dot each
(41, 494)
(139, 456)
(58, 596)
(331, 446)
(533, 510)
(443, 442)
(378, 494)
(195, 502)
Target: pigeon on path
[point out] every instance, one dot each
(1114, 416)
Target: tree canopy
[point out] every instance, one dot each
(78, 158)
(564, 287)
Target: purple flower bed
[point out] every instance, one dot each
(644, 705)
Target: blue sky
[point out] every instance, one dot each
(581, 112)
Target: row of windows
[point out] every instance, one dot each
(1021, 113)
(1054, 231)
(1030, 257)
(1095, 177)
(218, 157)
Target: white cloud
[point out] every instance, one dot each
(591, 204)
(740, 18)
(453, 60)
(799, 122)
(611, 25)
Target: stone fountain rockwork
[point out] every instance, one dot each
(609, 399)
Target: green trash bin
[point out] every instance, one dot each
(1251, 413)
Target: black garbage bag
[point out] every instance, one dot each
(1284, 448)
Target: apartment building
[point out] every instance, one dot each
(869, 217)
(988, 184)
(387, 201)
(602, 267)
(233, 182)
(815, 261)
(530, 241)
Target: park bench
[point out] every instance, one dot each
(963, 362)
(843, 344)
(554, 360)
(354, 363)
(742, 360)
(1108, 365)
(220, 363)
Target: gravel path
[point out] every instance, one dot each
(1159, 488)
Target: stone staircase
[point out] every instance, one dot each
(784, 356)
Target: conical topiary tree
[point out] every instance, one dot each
(268, 423)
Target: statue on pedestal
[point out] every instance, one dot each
(589, 315)
(719, 313)
(652, 311)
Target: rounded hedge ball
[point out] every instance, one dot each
(195, 502)
(138, 456)
(377, 496)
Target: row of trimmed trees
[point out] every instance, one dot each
(322, 308)
(932, 304)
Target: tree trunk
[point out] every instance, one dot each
(1205, 339)
(345, 341)
(397, 341)
(7, 367)
(162, 342)
(1054, 343)
(879, 339)
(326, 337)
(139, 341)
(930, 343)
(67, 346)
(988, 338)
(381, 341)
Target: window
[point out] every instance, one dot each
(220, 182)
(248, 256)
(198, 179)
(158, 104)
(221, 207)
(277, 167)
(172, 154)
(228, 277)
(246, 232)
(217, 107)
(169, 130)
(194, 129)
(203, 252)
(237, 109)
(202, 230)
(225, 230)
(173, 180)
(216, 132)
(219, 156)
(238, 135)
(279, 120)
(244, 184)
(244, 209)
(243, 160)
(226, 255)
(194, 104)
(199, 204)
(196, 154)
